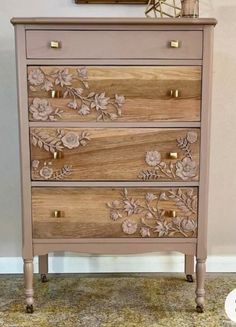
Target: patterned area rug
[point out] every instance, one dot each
(124, 300)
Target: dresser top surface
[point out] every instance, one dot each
(112, 21)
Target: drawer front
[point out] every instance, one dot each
(123, 94)
(116, 154)
(113, 44)
(114, 212)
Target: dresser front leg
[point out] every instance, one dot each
(200, 278)
(43, 267)
(29, 292)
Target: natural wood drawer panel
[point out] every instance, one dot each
(117, 154)
(114, 212)
(113, 44)
(125, 94)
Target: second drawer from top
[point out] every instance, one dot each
(114, 93)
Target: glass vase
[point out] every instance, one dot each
(190, 8)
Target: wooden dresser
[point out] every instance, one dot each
(114, 133)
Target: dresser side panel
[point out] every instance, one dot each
(24, 141)
(205, 141)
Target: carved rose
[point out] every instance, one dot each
(46, 172)
(36, 77)
(63, 78)
(192, 137)
(186, 169)
(71, 140)
(40, 109)
(119, 100)
(129, 227)
(131, 207)
(145, 232)
(162, 228)
(188, 225)
(84, 110)
(100, 101)
(153, 158)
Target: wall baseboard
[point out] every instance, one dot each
(69, 263)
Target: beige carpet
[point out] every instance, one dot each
(124, 300)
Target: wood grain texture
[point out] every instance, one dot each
(85, 213)
(146, 91)
(116, 154)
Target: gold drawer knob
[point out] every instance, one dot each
(57, 214)
(175, 44)
(57, 155)
(55, 44)
(175, 93)
(173, 155)
(170, 213)
(56, 94)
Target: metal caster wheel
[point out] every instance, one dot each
(200, 308)
(189, 278)
(29, 308)
(44, 278)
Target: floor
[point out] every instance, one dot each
(115, 300)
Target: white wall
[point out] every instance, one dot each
(222, 217)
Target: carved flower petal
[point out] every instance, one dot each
(145, 232)
(129, 227)
(192, 137)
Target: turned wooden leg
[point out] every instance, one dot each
(29, 292)
(189, 267)
(200, 278)
(43, 267)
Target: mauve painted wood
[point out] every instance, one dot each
(205, 142)
(109, 21)
(104, 62)
(114, 44)
(24, 142)
(112, 248)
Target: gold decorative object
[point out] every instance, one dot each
(174, 93)
(173, 155)
(57, 214)
(55, 44)
(163, 8)
(175, 44)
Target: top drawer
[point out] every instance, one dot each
(114, 44)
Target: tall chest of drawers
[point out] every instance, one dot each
(114, 119)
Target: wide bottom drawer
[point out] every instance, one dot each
(114, 212)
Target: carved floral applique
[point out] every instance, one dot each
(47, 172)
(185, 169)
(148, 220)
(55, 143)
(83, 102)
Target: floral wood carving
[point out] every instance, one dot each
(55, 143)
(81, 99)
(145, 217)
(46, 171)
(184, 169)
(59, 141)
